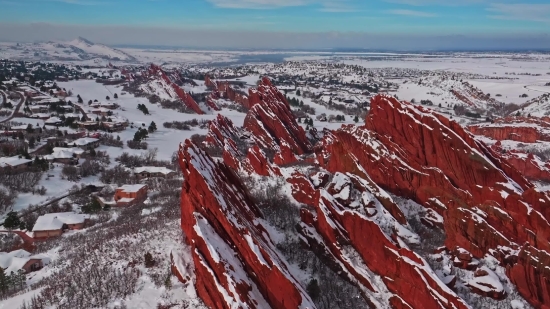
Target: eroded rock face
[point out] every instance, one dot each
(349, 213)
(271, 121)
(473, 192)
(182, 95)
(236, 263)
(519, 129)
(529, 165)
(484, 201)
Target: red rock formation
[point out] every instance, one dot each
(257, 162)
(182, 95)
(209, 83)
(212, 104)
(519, 129)
(462, 97)
(347, 224)
(285, 155)
(530, 277)
(530, 166)
(513, 133)
(221, 89)
(271, 121)
(484, 201)
(236, 264)
(220, 130)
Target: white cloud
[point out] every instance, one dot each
(326, 5)
(532, 12)
(411, 13)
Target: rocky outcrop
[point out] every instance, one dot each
(349, 213)
(183, 96)
(236, 264)
(485, 202)
(221, 130)
(513, 133)
(258, 163)
(222, 89)
(271, 121)
(528, 270)
(519, 129)
(528, 164)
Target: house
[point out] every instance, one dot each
(14, 163)
(53, 121)
(101, 111)
(153, 171)
(39, 109)
(43, 116)
(54, 224)
(130, 194)
(65, 155)
(21, 260)
(85, 143)
(109, 105)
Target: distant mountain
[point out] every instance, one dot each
(78, 49)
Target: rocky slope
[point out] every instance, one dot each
(354, 189)
(168, 84)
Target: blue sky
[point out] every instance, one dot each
(331, 17)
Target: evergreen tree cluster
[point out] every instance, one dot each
(143, 108)
(152, 127)
(140, 135)
(294, 102)
(339, 118)
(11, 283)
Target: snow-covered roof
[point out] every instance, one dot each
(53, 120)
(55, 221)
(152, 169)
(6, 257)
(15, 260)
(64, 153)
(125, 200)
(131, 188)
(13, 161)
(40, 115)
(84, 141)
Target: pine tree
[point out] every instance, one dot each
(313, 289)
(152, 127)
(3, 282)
(356, 119)
(149, 261)
(12, 220)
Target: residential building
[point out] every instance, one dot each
(85, 143)
(130, 194)
(14, 163)
(21, 260)
(153, 171)
(54, 224)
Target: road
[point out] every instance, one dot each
(16, 110)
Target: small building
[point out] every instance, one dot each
(130, 194)
(65, 155)
(53, 121)
(14, 163)
(109, 105)
(153, 171)
(55, 224)
(39, 109)
(21, 260)
(85, 143)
